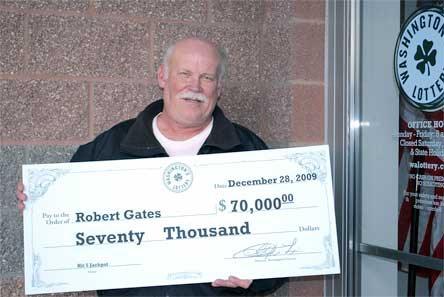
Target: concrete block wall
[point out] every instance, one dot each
(69, 69)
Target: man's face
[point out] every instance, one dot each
(190, 88)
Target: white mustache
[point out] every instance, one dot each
(194, 96)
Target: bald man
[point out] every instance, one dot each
(187, 121)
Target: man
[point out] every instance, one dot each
(186, 122)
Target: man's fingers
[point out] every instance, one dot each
(21, 206)
(20, 186)
(20, 196)
(232, 282)
(19, 191)
(218, 283)
(223, 283)
(243, 283)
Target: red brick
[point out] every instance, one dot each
(308, 114)
(310, 9)
(77, 5)
(171, 9)
(81, 46)
(12, 42)
(276, 63)
(241, 12)
(118, 102)
(308, 49)
(44, 110)
(14, 287)
(263, 109)
(287, 10)
(292, 52)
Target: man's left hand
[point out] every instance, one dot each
(232, 282)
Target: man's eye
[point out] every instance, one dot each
(208, 78)
(184, 73)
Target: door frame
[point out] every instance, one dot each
(342, 132)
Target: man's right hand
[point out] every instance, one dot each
(21, 196)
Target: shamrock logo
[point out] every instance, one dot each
(178, 177)
(425, 57)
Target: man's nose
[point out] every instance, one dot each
(195, 84)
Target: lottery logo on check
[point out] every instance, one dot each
(178, 177)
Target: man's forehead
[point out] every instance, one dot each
(189, 61)
(197, 48)
(196, 42)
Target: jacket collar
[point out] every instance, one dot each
(140, 140)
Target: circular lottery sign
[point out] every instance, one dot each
(419, 59)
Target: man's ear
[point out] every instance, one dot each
(219, 90)
(161, 76)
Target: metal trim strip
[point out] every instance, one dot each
(408, 258)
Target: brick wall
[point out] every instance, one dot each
(70, 69)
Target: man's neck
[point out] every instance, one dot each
(175, 131)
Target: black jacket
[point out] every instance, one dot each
(135, 139)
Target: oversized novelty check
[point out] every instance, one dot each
(162, 221)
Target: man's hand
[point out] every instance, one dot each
(232, 282)
(21, 197)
